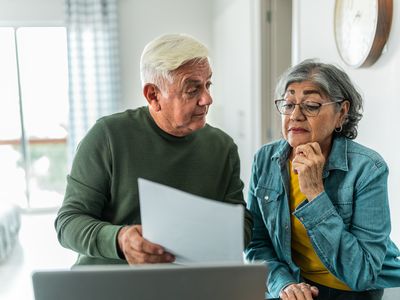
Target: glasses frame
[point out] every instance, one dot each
(302, 109)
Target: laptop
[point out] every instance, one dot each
(153, 282)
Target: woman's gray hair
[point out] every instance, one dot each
(166, 53)
(334, 83)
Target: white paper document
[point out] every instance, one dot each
(194, 229)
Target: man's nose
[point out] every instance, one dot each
(205, 98)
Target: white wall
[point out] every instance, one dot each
(236, 108)
(380, 126)
(31, 12)
(141, 21)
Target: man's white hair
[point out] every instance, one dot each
(167, 53)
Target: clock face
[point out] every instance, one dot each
(355, 29)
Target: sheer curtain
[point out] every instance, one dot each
(93, 62)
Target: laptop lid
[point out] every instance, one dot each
(152, 282)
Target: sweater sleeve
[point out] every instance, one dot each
(79, 223)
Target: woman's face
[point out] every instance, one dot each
(299, 129)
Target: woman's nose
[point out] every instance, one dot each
(297, 113)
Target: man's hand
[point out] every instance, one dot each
(309, 163)
(299, 291)
(138, 250)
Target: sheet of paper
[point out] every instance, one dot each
(194, 229)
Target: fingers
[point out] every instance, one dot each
(314, 291)
(295, 294)
(308, 163)
(301, 163)
(306, 156)
(300, 291)
(309, 148)
(310, 151)
(138, 250)
(316, 147)
(140, 244)
(306, 291)
(136, 257)
(304, 165)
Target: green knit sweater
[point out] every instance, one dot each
(102, 189)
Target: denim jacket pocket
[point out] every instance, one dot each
(269, 205)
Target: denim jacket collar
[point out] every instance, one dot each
(282, 153)
(337, 159)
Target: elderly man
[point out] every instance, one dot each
(167, 141)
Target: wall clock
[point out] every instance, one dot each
(361, 30)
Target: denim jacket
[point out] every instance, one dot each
(348, 224)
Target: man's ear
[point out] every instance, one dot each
(151, 92)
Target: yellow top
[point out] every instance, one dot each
(303, 253)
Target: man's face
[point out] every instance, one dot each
(184, 103)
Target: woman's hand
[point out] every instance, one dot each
(299, 291)
(309, 163)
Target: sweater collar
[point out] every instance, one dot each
(166, 135)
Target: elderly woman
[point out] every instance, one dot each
(319, 200)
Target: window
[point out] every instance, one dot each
(33, 115)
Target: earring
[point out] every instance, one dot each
(339, 129)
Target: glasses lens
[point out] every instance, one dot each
(310, 108)
(284, 107)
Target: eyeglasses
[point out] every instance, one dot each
(308, 108)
